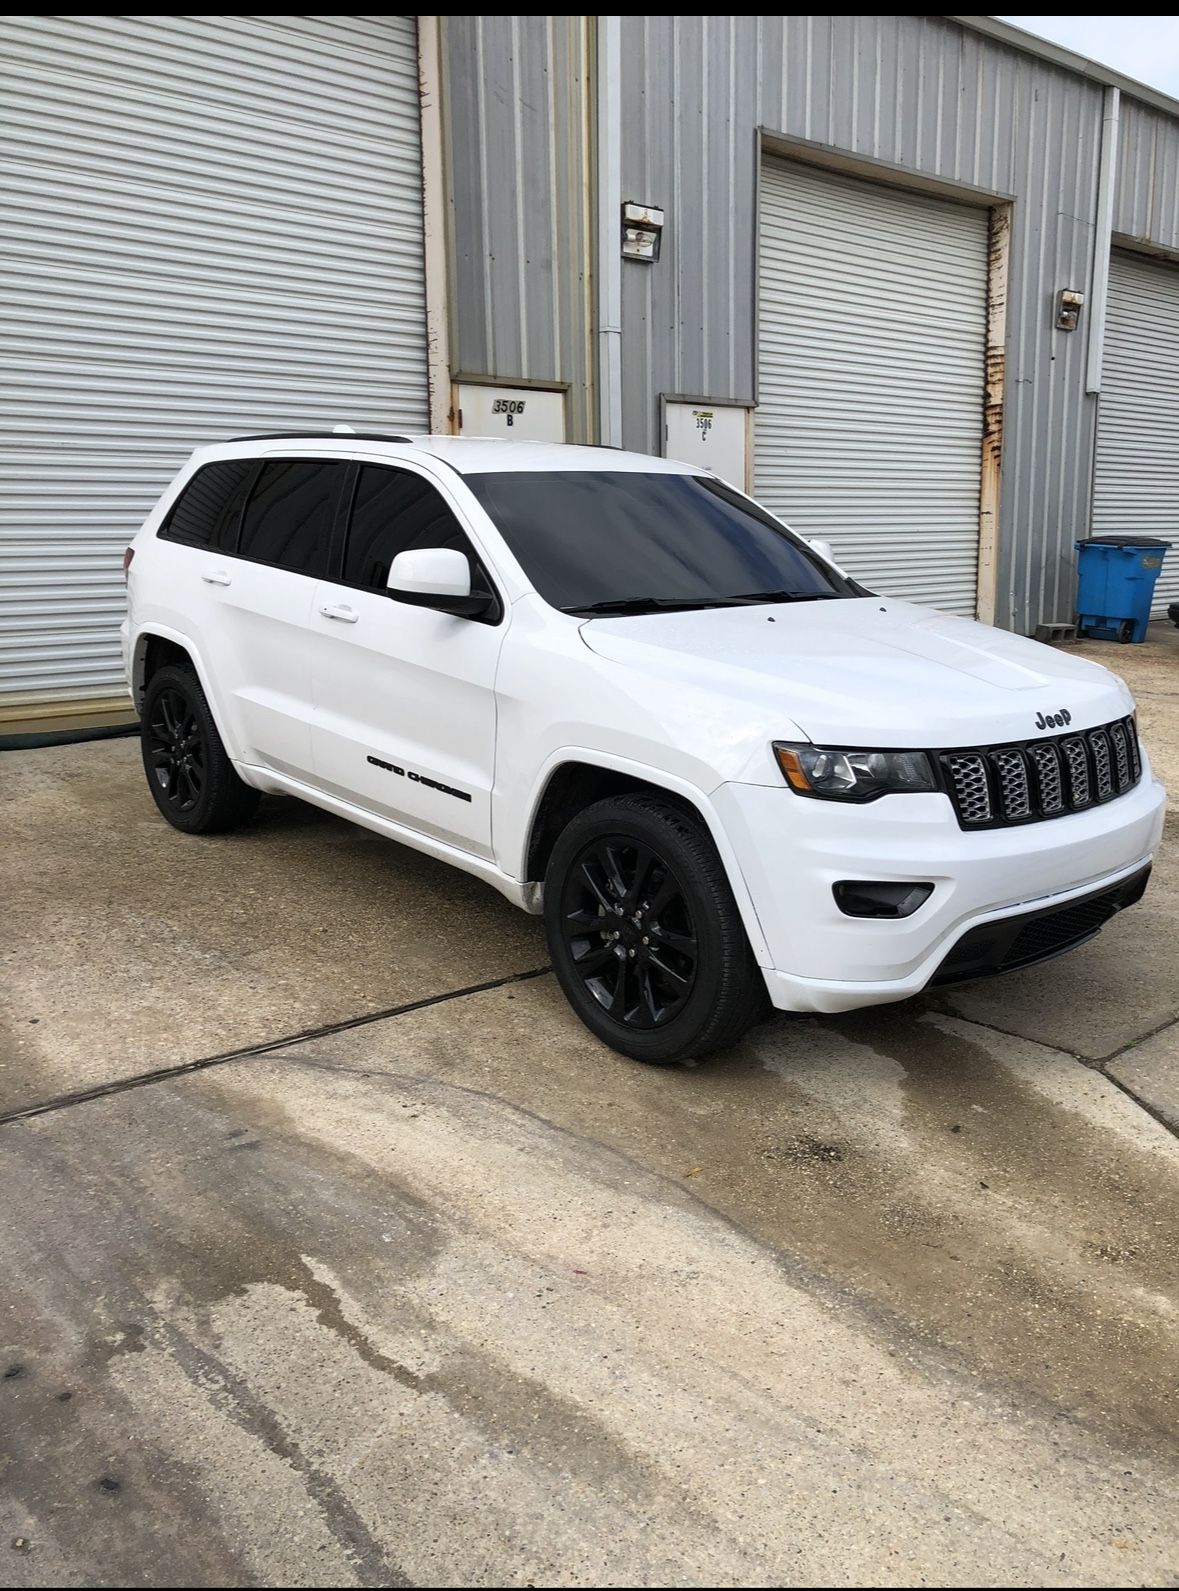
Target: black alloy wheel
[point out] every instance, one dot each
(189, 772)
(629, 930)
(646, 938)
(174, 750)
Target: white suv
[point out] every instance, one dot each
(631, 699)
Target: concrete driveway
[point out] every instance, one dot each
(336, 1252)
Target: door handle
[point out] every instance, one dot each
(216, 577)
(344, 614)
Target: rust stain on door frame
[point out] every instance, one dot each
(998, 250)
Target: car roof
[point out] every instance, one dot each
(468, 455)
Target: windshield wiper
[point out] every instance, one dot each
(625, 605)
(786, 596)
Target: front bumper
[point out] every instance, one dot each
(792, 851)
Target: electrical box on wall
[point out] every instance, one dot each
(713, 435)
(521, 414)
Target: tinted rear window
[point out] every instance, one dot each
(208, 510)
(290, 514)
(585, 538)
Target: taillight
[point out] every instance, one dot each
(127, 557)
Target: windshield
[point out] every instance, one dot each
(617, 541)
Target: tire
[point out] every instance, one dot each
(189, 773)
(686, 982)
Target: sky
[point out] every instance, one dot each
(1143, 47)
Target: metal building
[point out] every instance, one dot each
(912, 279)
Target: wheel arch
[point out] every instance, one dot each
(575, 779)
(157, 645)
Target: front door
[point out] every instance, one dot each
(404, 697)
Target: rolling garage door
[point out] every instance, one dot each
(208, 225)
(871, 346)
(1136, 481)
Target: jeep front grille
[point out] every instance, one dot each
(993, 786)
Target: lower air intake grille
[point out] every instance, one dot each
(994, 786)
(1045, 936)
(1006, 943)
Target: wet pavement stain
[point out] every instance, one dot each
(162, 1244)
(247, 1409)
(204, 1252)
(986, 1250)
(978, 1245)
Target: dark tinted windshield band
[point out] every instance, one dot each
(609, 540)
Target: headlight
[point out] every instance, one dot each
(852, 775)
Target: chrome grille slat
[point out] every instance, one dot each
(1135, 759)
(1117, 736)
(972, 793)
(992, 786)
(1014, 794)
(1078, 770)
(1045, 759)
(1099, 745)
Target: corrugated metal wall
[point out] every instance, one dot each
(1146, 206)
(920, 92)
(690, 98)
(1136, 479)
(210, 225)
(869, 427)
(518, 175)
(908, 90)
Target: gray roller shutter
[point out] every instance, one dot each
(1136, 482)
(208, 225)
(871, 347)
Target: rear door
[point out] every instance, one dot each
(181, 576)
(404, 722)
(263, 595)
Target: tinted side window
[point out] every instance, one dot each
(207, 512)
(392, 512)
(290, 512)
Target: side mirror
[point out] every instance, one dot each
(436, 577)
(823, 548)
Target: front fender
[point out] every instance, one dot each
(517, 844)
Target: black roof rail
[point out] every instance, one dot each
(322, 436)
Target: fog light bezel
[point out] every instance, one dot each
(882, 910)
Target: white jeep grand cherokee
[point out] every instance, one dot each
(631, 699)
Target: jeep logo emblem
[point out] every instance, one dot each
(1054, 720)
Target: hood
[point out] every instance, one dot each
(866, 672)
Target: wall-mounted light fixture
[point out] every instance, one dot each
(642, 227)
(1068, 309)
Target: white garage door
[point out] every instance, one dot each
(1136, 483)
(208, 225)
(872, 342)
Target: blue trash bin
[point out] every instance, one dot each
(1115, 585)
